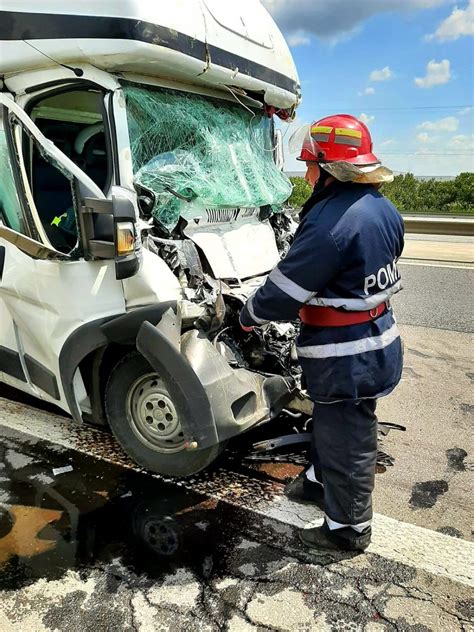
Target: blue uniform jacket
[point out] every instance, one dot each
(344, 255)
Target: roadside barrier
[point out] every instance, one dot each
(441, 225)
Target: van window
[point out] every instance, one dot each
(75, 121)
(10, 208)
(24, 146)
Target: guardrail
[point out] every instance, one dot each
(431, 225)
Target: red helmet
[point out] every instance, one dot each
(338, 137)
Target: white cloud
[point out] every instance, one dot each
(442, 155)
(387, 143)
(436, 74)
(447, 124)
(329, 19)
(425, 139)
(381, 75)
(462, 143)
(459, 23)
(366, 118)
(298, 38)
(367, 91)
(465, 111)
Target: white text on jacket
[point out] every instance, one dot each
(384, 277)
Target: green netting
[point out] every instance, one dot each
(206, 150)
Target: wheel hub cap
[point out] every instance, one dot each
(153, 415)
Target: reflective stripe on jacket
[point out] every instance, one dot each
(344, 255)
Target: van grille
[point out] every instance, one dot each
(224, 215)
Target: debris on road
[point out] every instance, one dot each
(62, 470)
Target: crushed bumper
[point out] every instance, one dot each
(215, 401)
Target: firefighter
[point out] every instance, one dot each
(338, 277)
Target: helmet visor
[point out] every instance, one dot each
(304, 143)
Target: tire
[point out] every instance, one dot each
(146, 423)
(159, 534)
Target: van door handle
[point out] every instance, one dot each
(2, 260)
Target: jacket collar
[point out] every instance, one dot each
(320, 194)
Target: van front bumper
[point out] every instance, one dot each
(214, 401)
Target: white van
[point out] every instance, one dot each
(139, 185)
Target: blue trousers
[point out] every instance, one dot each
(344, 455)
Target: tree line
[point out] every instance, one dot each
(412, 196)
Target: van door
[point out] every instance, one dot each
(47, 288)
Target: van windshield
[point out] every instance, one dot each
(189, 147)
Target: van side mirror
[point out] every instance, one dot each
(109, 229)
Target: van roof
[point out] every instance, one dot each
(205, 42)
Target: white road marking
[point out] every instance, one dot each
(393, 539)
(435, 264)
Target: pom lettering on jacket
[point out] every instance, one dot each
(383, 278)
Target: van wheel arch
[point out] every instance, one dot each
(95, 370)
(94, 343)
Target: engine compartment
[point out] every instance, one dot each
(210, 196)
(212, 305)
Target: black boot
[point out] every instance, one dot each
(302, 490)
(345, 539)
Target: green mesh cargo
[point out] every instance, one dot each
(206, 150)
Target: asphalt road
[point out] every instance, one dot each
(93, 546)
(436, 296)
(101, 547)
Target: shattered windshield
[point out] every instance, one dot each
(187, 147)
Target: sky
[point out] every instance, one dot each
(405, 67)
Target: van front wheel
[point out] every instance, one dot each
(146, 423)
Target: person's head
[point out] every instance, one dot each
(341, 145)
(317, 177)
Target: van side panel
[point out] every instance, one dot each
(45, 302)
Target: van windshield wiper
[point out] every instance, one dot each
(178, 195)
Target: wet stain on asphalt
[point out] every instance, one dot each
(283, 472)
(454, 533)
(467, 408)
(126, 546)
(456, 458)
(466, 608)
(120, 530)
(424, 495)
(96, 513)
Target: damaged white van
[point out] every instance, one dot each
(140, 193)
